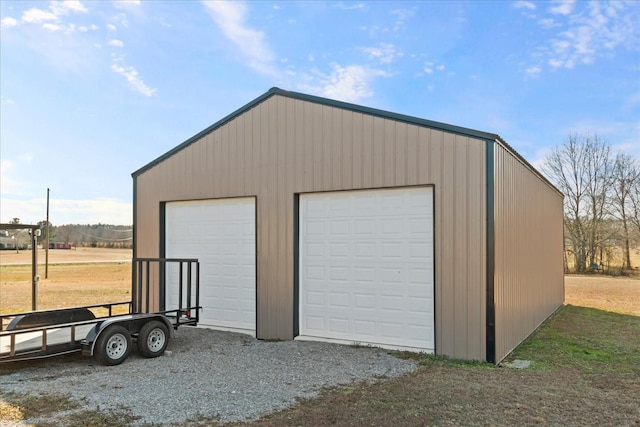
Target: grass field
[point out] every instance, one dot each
(616, 294)
(585, 366)
(78, 277)
(68, 285)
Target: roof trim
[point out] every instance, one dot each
(350, 107)
(386, 114)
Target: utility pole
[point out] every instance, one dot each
(46, 249)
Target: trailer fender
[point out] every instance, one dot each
(132, 322)
(52, 317)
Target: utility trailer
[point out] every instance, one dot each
(109, 337)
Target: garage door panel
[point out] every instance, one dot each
(363, 301)
(221, 234)
(366, 267)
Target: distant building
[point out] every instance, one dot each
(9, 243)
(59, 245)
(6, 242)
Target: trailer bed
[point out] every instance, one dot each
(47, 333)
(44, 341)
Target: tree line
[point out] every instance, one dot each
(601, 201)
(77, 235)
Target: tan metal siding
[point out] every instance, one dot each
(528, 281)
(284, 146)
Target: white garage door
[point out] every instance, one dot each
(221, 234)
(366, 267)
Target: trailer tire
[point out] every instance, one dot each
(113, 345)
(153, 338)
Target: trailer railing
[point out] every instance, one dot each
(159, 274)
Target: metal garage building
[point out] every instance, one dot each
(319, 219)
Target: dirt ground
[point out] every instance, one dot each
(57, 256)
(617, 294)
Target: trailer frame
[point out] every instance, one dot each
(46, 333)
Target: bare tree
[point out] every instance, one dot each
(582, 169)
(599, 171)
(65, 232)
(634, 201)
(626, 174)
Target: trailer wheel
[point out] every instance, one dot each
(153, 338)
(113, 345)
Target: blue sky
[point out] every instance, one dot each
(92, 91)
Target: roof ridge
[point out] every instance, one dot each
(350, 107)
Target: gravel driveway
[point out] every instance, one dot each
(208, 374)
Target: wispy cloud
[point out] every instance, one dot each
(53, 14)
(562, 7)
(548, 23)
(431, 67)
(84, 28)
(230, 17)
(121, 19)
(133, 78)
(116, 43)
(37, 16)
(385, 53)
(623, 135)
(351, 6)
(126, 4)
(585, 32)
(590, 35)
(533, 71)
(350, 83)
(521, 4)
(50, 19)
(67, 6)
(52, 27)
(402, 16)
(8, 22)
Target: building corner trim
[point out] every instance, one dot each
(490, 236)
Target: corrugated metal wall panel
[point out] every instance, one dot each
(528, 281)
(284, 146)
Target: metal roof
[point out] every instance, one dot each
(346, 106)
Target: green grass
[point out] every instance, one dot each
(587, 339)
(424, 359)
